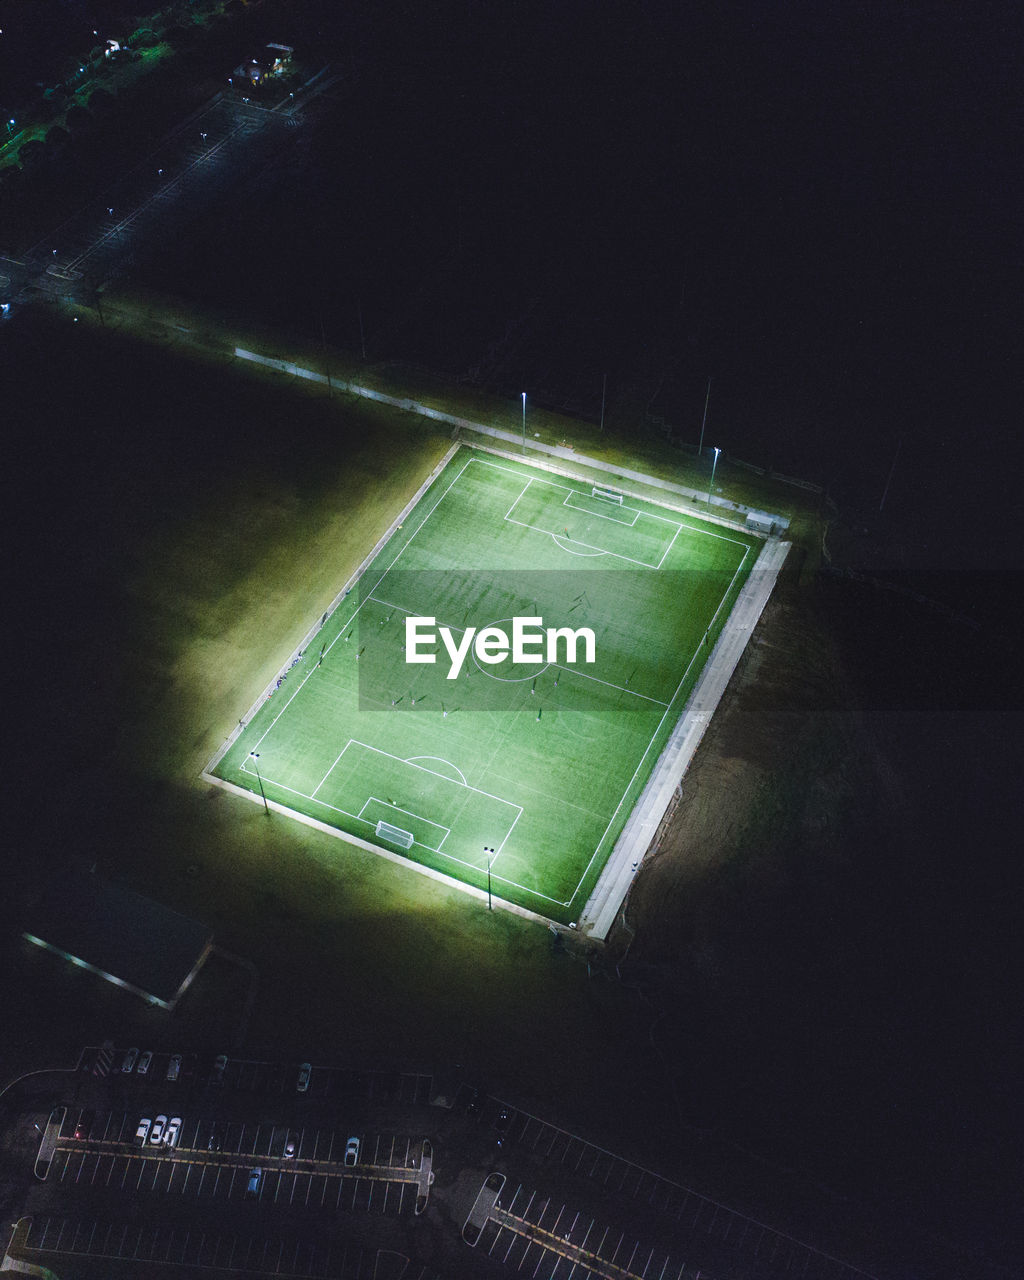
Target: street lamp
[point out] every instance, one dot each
(256, 760)
(714, 463)
(489, 853)
(524, 422)
(10, 127)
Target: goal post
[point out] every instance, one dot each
(608, 495)
(395, 835)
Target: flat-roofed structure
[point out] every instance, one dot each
(130, 940)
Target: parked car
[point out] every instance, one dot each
(352, 1151)
(84, 1125)
(220, 1065)
(255, 1181)
(172, 1131)
(142, 1132)
(289, 1146)
(174, 1067)
(305, 1071)
(157, 1132)
(144, 1062)
(130, 1058)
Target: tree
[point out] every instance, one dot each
(57, 139)
(77, 118)
(32, 154)
(101, 102)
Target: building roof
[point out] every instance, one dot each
(131, 940)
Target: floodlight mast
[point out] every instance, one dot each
(703, 421)
(524, 423)
(711, 487)
(490, 858)
(256, 761)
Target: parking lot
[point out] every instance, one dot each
(213, 1161)
(539, 1235)
(673, 1212)
(278, 1253)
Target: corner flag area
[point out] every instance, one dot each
(522, 762)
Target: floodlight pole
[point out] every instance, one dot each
(703, 421)
(888, 479)
(711, 487)
(524, 423)
(256, 760)
(490, 859)
(604, 389)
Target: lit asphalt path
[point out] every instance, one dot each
(614, 883)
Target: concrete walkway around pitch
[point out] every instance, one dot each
(614, 883)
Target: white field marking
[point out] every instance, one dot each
(397, 808)
(692, 524)
(351, 618)
(621, 688)
(693, 659)
(576, 493)
(668, 549)
(516, 501)
(549, 666)
(470, 866)
(442, 760)
(695, 526)
(559, 540)
(354, 742)
(644, 564)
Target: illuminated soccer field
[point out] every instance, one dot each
(533, 767)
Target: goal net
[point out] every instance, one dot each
(395, 835)
(609, 495)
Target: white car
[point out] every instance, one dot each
(172, 1131)
(142, 1132)
(156, 1134)
(174, 1067)
(352, 1151)
(305, 1071)
(289, 1146)
(130, 1058)
(144, 1062)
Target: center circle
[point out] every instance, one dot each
(531, 670)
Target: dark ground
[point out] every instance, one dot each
(814, 205)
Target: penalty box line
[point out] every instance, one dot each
(409, 764)
(409, 813)
(691, 523)
(442, 853)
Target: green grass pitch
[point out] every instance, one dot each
(540, 763)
